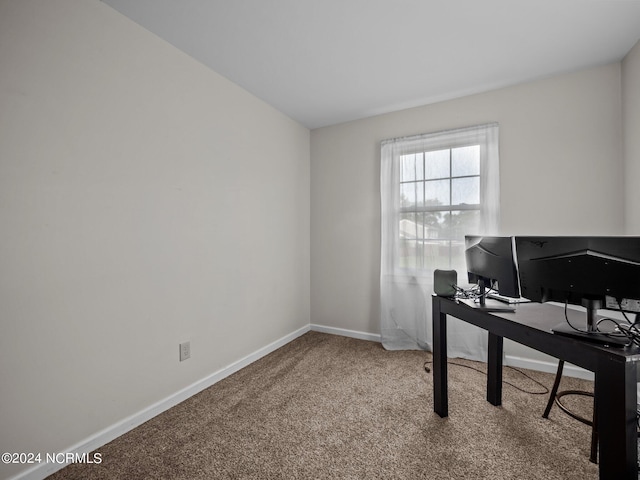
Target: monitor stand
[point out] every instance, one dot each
(591, 334)
(493, 306)
(595, 337)
(487, 305)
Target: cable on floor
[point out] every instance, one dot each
(544, 392)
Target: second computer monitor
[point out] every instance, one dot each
(491, 262)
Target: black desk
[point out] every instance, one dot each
(614, 368)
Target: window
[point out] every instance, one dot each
(439, 203)
(435, 189)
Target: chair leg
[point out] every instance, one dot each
(554, 389)
(552, 399)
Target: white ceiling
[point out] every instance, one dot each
(329, 61)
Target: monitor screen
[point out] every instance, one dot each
(490, 261)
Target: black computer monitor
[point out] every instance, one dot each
(595, 272)
(491, 264)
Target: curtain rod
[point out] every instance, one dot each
(421, 136)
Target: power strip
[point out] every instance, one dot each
(627, 304)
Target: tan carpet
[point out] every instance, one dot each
(326, 407)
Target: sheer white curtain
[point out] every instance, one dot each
(423, 228)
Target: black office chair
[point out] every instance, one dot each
(555, 397)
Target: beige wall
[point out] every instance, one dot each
(631, 137)
(561, 173)
(144, 201)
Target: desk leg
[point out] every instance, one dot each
(615, 401)
(440, 387)
(494, 370)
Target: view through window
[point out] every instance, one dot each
(439, 202)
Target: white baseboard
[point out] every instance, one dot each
(513, 361)
(346, 333)
(41, 471)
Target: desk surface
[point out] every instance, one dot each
(530, 324)
(538, 320)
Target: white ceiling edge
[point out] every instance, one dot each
(334, 61)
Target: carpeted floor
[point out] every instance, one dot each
(330, 407)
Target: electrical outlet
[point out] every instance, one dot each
(185, 351)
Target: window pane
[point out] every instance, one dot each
(465, 222)
(465, 191)
(408, 194)
(465, 161)
(436, 192)
(458, 261)
(436, 253)
(412, 167)
(419, 166)
(436, 164)
(408, 168)
(411, 225)
(436, 224)
(408, 254)
(420, 193)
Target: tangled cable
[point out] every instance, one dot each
(474, 292)
(627, 329)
